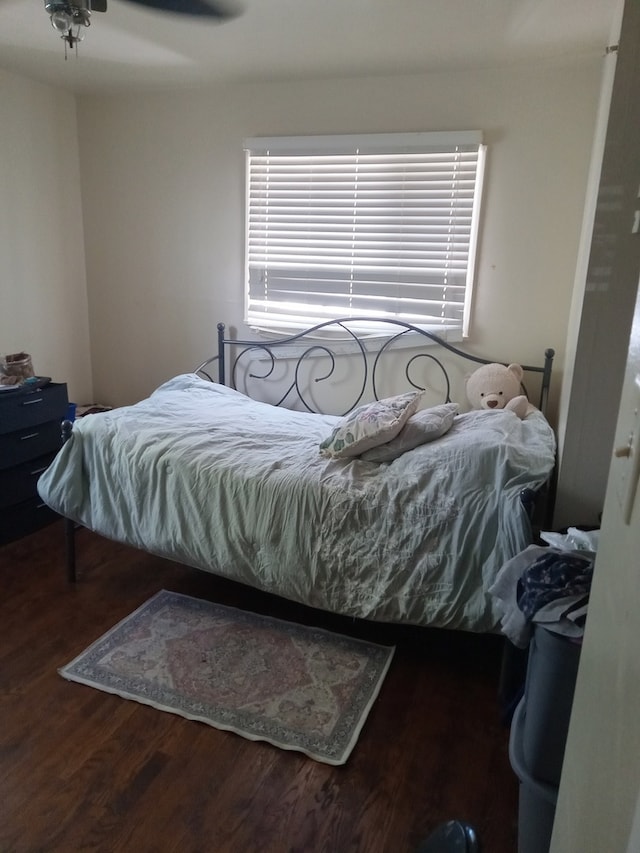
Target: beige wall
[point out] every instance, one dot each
(163, 197)
(43, 299)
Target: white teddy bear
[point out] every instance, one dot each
(496, 386)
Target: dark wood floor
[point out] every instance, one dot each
(85, 770)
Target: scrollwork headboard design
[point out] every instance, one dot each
(311, 357)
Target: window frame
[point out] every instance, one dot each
(384, 146)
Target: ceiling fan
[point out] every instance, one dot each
(68, 17)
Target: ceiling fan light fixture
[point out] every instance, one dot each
(61, 20)
(68, 19)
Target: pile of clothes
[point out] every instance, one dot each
(547, 585)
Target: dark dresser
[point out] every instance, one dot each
(30, 437)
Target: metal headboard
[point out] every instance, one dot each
(319, 340)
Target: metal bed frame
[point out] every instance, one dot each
(323, 339)
(331, 340)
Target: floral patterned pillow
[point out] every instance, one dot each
(370, 425)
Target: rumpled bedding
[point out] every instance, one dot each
(201, 474)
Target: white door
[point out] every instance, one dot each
(598, 807)
(599, 797)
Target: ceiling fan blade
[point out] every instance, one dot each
(98, 5)
(194, 8)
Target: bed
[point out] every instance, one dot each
(207, 474)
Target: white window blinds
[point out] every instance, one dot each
(382, 225)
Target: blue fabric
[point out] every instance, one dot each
(552, 576)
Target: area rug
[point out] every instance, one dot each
(297, 687)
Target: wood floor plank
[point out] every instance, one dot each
(86, 770)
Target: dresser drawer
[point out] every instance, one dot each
(20, 409)
(24, 518)
(19, 483)
(24, 444)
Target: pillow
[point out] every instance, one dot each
(369, 425)
(422, 427)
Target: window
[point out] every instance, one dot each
(381, 225)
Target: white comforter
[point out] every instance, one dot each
(204, 475)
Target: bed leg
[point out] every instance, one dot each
(69, 526)
(513, 672)
(70, 540)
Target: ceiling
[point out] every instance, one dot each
(130, 46)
